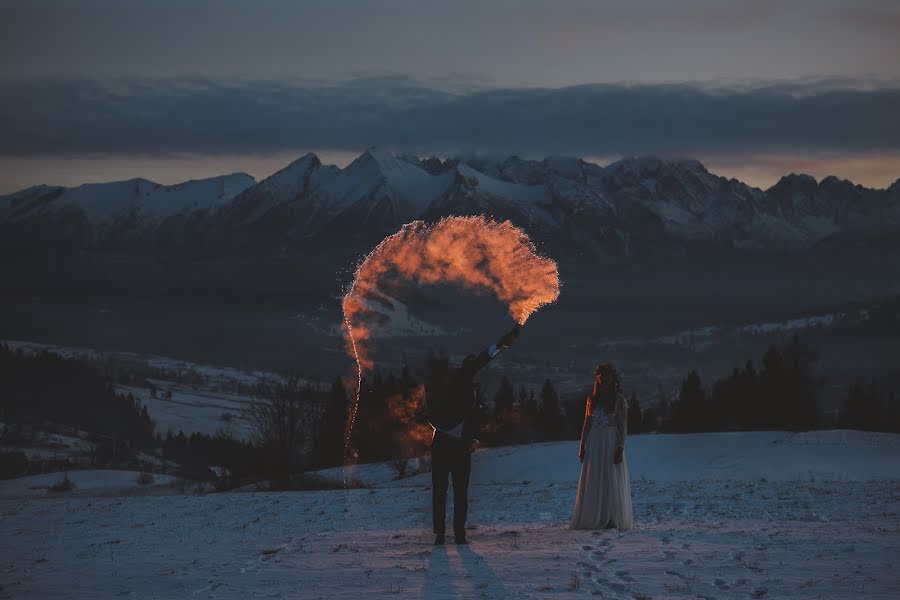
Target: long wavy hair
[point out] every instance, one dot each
(607, 372)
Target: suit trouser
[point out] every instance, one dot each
(450, 458)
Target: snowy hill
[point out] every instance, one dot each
(736, 456)
(211, 403)
(105, 482)
(120, 210)
(749, 535)
(107, 203)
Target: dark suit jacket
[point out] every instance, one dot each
(455, 398)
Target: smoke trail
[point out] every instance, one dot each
(476, 252)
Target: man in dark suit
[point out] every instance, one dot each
(455, 414)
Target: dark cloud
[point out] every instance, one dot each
(506, 42)
(78, 117)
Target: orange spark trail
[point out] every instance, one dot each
(476, 252)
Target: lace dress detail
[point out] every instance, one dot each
(599, 418)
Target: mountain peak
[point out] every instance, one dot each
(289, 178)
(794, 182)
(383, 160)
(651, 162)
(304, 163)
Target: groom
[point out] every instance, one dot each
(455, 414)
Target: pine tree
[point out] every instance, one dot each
(687, 412)
(875, 413)
(743, 402)
(634, 414)
(330, 434)
(856, 412)
(653, 417)
(893, 413)
(773, 400)
(504, 398)
(528, 402)
(801, 410)
(549, 417)
(507, 429)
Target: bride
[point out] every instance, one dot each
(603, 499)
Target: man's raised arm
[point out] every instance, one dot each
(475, 363)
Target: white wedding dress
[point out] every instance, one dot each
(604, 494)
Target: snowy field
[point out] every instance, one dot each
(743, 515)
(208, 404)
(192, 410)
(90, 482)
(212, 376)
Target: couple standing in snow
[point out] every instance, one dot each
(603, 498)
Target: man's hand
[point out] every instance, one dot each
(619, 455)
(472, 447)
(508, 338)
(581, 453)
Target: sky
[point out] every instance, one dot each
(103, 90)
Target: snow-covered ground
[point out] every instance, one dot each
(53, 446)
(193, 410)
(213, 377)
(90, 482)
(836, 455)
(711, 334)
(188, 397)
(759, 515)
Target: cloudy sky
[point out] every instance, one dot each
(170, 90)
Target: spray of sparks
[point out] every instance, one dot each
(475, 252)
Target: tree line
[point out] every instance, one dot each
(46, 386)
(781, 395)
(297, 426)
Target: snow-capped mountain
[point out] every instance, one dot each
(377, 190)
(629, 207)
(645, 247)
(107, 212)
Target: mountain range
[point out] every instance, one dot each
(630, 203)
(294, 231)
(247, 273)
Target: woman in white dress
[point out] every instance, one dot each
(603, 499)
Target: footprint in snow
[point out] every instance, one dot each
(755, 568)
(624, 576)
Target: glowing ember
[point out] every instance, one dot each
(476, 252)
